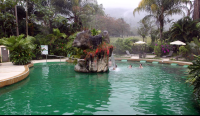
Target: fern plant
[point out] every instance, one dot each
(95, 32)
(194, 75)
(20, 48)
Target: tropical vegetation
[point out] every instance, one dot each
(28, 24)
(21, 49)
(184, 30)
(160, 10)
(194, 77)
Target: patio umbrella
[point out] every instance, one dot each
(177, 43)
(140, 42)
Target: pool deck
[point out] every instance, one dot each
(10, 74)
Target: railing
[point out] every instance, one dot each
(55, 56)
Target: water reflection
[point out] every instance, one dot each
(15, 86)
(55, 88)
(88, 94)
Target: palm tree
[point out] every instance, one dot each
(196, 14)
(184, 30)
(189, 9)
(143, 29)
(159, 10)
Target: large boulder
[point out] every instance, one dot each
(85, 40)
(93, 62)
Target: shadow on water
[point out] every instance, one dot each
(15, 86)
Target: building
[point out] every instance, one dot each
(4, 54)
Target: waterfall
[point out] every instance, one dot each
(113, 61)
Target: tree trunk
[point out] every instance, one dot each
(161, 29)
(26, 17)
(122, 34)
(17, 29)
(196, 13)
(161, 20)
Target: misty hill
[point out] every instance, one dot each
(127, 14)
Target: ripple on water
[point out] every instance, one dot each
(56, 88)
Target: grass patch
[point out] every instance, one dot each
(121, 56)
(154, 58)
(114, 39)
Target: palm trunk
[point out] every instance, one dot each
(26, 17)
(17, 29)
(161, 20)
(196, 13)
(161, 30)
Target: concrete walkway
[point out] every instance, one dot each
(8, 70)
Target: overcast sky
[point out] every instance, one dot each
(127, 4)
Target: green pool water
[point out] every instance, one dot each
(56, 89)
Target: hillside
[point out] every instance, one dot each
(127, 14)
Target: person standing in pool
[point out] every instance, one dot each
(140, 66)
(130, 66)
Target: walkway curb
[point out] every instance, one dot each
(159, 61)
(17, 78)
(25, 73)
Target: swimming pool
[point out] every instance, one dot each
(55, 88)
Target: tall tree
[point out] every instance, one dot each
(189, 8)
(160, 10)
(17, 28)
(7, 19)
(143, 29)
(196, 12)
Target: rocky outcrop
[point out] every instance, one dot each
(97, 52)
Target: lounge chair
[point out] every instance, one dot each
(169, 55)
(176, 57)
(127, 52)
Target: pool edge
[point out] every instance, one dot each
(25, 73)
(159, 61)
(17, 78)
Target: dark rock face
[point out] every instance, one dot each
(97, 62)
(95, 40)
(82, 40)
(85, 40)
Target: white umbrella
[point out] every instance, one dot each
(140, 42)
(177, 43)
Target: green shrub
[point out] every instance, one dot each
(157, 49)
(95, 32)
(151, 48)
(122, 45)
(134, 40)
(194, 77)
(183, 50)
(21, 49)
